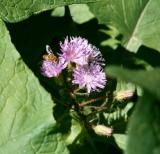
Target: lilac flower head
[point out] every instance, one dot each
(87, 72)
(51, 68)
(75, 49)
(95, 56)
(90, 77)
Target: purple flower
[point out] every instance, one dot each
(95, 56)
(79, 51)
(51, 68)
(90, 77)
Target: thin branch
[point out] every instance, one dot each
(91, 101)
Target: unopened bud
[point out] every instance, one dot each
(124, 94)
(102, 130)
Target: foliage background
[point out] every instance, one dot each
(127, 33)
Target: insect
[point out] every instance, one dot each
(49, 56)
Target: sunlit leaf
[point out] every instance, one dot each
(137, 20)
(17, 10)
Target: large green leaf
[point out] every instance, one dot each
(149, 80)
(14, 11)
(144, 128)
(26, 122)
(137, 20)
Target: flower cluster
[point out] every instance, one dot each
(87, 59)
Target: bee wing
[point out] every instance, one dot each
(48, 49)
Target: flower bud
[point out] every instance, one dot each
(123, 94)
(102, 130)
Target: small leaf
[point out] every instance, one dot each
(80, 13)
(121, 140)
(74, 132)
(58, 12)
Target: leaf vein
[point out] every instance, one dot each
(137, 24)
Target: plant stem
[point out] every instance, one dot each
(91, 101)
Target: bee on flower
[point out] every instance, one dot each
(49, 56)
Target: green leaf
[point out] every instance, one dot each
(58, 11)
(144, 128)
(74, 132)
(80, 13)
(26, 121)
(121, 140)
(17, 10)
(136, 20)
(149, 80)
(119, 113)
(111, 42)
